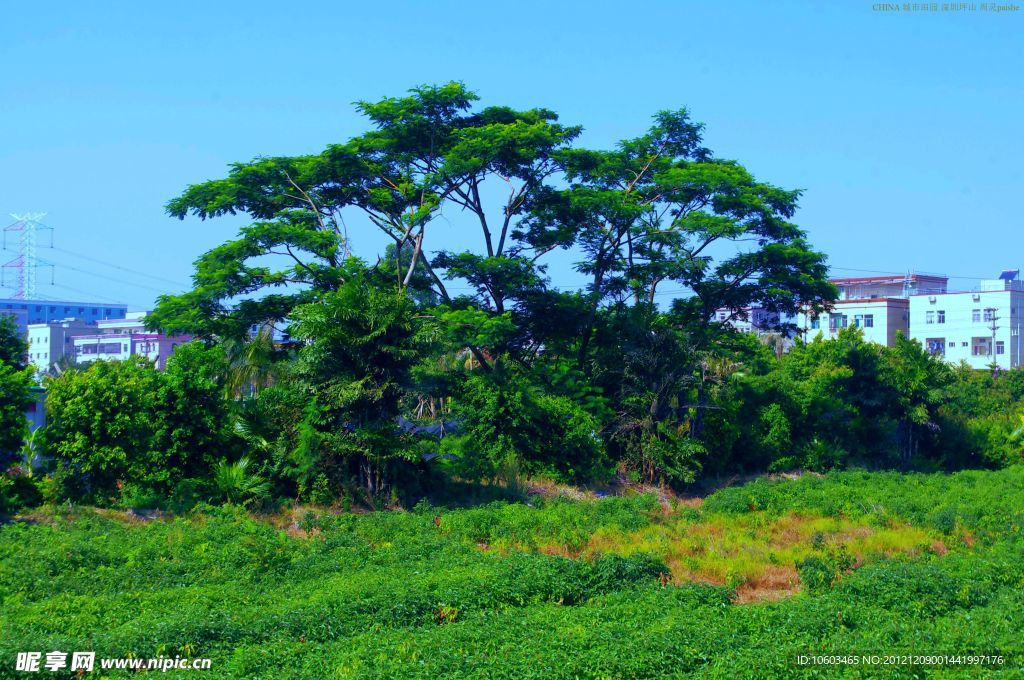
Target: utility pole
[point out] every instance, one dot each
(991, 313)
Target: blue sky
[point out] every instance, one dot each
(904, 129)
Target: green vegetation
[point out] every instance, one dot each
(539, 381)
(122, 431)
(15, 381)
(321, 386)
(320, 378)
(474, 592)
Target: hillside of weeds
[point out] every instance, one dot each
(739, 585)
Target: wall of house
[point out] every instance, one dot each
(886, 318)
(49, 343)
(966, 331)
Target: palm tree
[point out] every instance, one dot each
(252, 364)
(235, 484)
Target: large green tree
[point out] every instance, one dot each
(666, 233)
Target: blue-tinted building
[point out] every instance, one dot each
(44, 311)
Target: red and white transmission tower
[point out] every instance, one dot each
(26, 264)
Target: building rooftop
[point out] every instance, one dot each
(890, 278)
(69, 303)
(871, 301)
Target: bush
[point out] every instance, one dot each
(818, 573)
(19, 492)
(120, 423)
(504, 419)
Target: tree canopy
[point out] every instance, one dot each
(665, 233)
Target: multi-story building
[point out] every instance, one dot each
(879, 319)
(45, 311)
(48, 343)
(878, 305)
(981, 327)
(121, 345)
(132, 322)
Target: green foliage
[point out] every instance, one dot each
(13, 349)
(844, 402)
(983, 503)
(608, 370)
(818, 573)
(398, 595)
(15, 396)
(361, 344)
(234, 483)
(505, 418)
(118, 423)
(18, 492)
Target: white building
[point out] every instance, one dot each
(119, 339)
(980, 327)
(879, 319)
(878, 305)
(48, 343)
(133, 322)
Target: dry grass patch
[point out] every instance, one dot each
(755, 553)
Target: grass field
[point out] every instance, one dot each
(739, 585)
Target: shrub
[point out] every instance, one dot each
(504, 420)
(123, 422)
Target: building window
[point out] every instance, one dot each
(815, 323)
(940, 316)
(989, 314)
(981, 347)
(929, 317)
(869, 321)
(975, 315)
(858, 320)
(952, 343)
(963, 344)
(836, 321)
(936, 346)
(1000, 347)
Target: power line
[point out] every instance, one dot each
(122, 268)
(114, 279)
(103, 298)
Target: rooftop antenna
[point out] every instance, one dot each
(27, 226)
